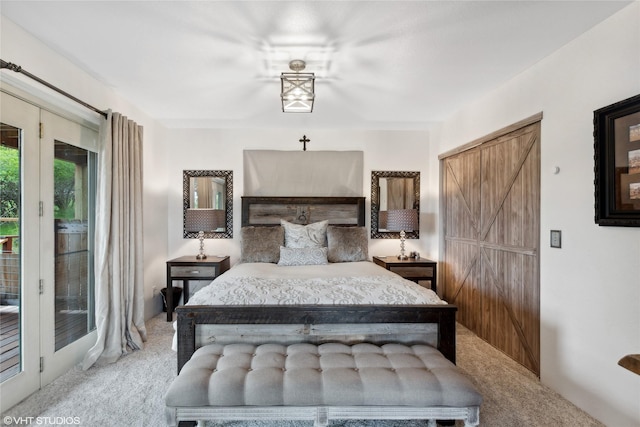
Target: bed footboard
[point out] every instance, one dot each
(191, 316)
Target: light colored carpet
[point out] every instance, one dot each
(130, 392)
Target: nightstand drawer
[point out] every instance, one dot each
(413, 271)
(194, 271)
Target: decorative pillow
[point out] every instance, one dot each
(302, 256)
(305, 236)
(261, 244)
(347, 244)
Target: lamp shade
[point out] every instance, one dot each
(204, 219)
(402, 219)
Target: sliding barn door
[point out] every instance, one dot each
(491, 203)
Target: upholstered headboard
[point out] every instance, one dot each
(275, 173)
(303, 210)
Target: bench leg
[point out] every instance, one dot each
(432, 423)
(321, 418)
(474, 417)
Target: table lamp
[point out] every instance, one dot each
(402, 220)
(202, 220)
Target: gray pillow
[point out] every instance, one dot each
(261, 244)
(347, 244)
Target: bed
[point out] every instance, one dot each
(303, 315)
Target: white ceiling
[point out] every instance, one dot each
(379, 64)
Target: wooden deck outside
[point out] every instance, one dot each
(9, 344)
(70, 326)
(71, 296)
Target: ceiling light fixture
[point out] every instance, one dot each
(297, 89)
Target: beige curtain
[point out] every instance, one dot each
(118, 247)
(204, 192)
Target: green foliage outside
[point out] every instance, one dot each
(9, 190)
(63, 197)
(9, 229)
(64, 189)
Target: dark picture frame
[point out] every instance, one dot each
(227, 175)
(376, 197)
(616, 132)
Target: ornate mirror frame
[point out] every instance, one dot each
(186, 183)
(375, 203)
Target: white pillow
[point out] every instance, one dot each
(303, 256)
(305, 236)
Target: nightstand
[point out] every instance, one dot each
(188, 268)
(422, 271)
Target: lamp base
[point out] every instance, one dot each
(402, 255)
(201, 255)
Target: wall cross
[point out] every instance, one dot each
(304, 141)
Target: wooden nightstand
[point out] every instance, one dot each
(189, 268)
(422, 271)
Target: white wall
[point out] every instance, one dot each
(590, 288)
(22, 49)
(222, 149)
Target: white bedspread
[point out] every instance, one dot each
(336, 283)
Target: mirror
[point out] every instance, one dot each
(206, 191)
(393, 191)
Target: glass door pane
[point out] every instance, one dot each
(74, 174)
(10, 198)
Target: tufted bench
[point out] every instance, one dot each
(321, 382)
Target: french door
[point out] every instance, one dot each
(47, 210)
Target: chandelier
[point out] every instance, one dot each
(297, 89)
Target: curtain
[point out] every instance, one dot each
(118, 247)
(204, 192)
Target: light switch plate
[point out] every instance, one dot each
(556, 238)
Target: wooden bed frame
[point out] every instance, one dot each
(189, 317)
(260, 211)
